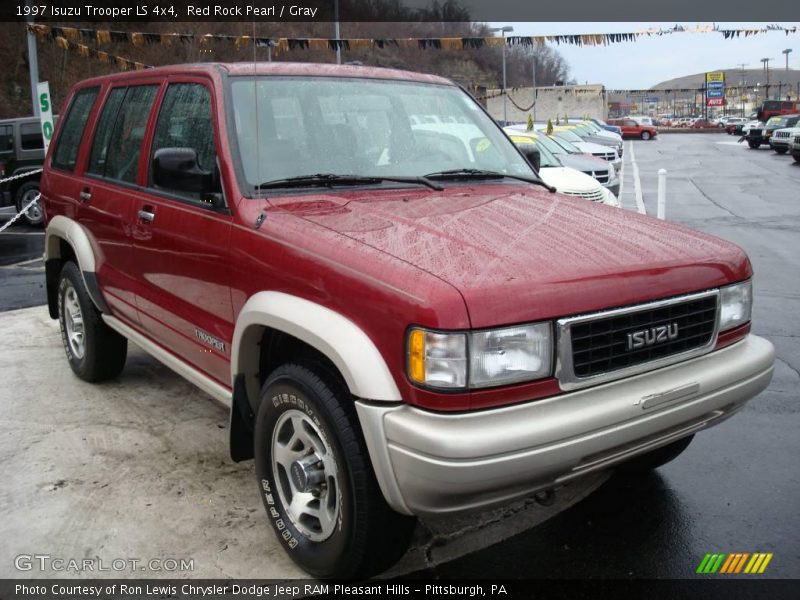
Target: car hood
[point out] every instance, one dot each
(593, 148)
(518, 253)
(586, 162)
(568, 180)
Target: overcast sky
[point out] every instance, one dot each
(648, 61)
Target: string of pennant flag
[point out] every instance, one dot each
(123, 63)
(282, 44)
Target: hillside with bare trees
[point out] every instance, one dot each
(473, 68)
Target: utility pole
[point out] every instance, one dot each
(787, 52)
(33, 66)
(766, 66)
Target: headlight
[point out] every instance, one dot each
(736, 305)
(480, 359)
(437, 359)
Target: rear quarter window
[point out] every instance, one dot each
(72, 132)
(30, 135)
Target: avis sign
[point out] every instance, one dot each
(45, 112)
(715, 88)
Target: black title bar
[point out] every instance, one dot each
(394, 10)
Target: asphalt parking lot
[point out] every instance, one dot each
(139, 467)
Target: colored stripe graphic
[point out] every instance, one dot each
(711, 563)
(734, 562)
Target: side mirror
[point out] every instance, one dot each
(178, 169)
(532, 154)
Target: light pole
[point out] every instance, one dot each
(336, 31)
(766, 66)
(787, 52)
(741, 84)
(503, 31)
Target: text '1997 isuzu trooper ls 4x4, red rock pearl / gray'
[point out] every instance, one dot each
(404, 321)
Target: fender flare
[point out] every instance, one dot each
(343, 342)
(63, 228)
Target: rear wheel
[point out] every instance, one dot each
(25, 194)
(94, 350)
(316, 478)
(645, 135)
(658, 457)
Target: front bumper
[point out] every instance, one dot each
(780, 142)
(613, 187)
(440, 463)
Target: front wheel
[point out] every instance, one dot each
(796, 156)
(658, 457)
(753, 144)
(780, 150)
(645, 135)
(25, 194)
(316, 479)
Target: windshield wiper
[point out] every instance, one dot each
(484, 174)
(329, 179)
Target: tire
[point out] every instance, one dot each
(656, 458)
(307, 411)
(25, 193)
(95, 351)
(780, 150)
(645, 135)
(753, 144)
(796, 156)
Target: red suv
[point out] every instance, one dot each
(632, 129)
(404, 320)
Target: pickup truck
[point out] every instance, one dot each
(633, 129)
(403, 324)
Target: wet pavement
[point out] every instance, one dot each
(21, 267)
(737, 487)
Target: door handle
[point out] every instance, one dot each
(85, 195)
(146, 215)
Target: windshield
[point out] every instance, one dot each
(542, 141)
(297, 126)
(777, 122)
(567, 146)
(545, 156)
(570, 136)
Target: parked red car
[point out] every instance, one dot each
(704, 124)
(633, 130)
(403, 321)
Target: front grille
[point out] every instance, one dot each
(602, 345)
(595, 196)
(797, 139)
(600, 176)
(782, 134)
(755, 132)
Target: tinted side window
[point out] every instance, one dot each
(69, 140)
(102, 135)
(31, 136)
(6, 138)
(184, 121)
(125, 143)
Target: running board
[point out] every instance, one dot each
(205, 383)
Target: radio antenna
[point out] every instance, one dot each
(255, 104)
